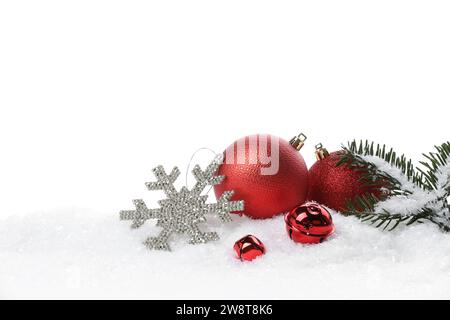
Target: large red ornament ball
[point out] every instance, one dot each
(309, 223)
(267, 172)
(332, 185)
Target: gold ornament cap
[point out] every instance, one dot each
(321, 152)
(298, 141)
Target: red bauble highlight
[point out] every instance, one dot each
(309, 223)
(249, 247)
(264, 195)
(334, 186)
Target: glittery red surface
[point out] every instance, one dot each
(266, 195)
(332, 186)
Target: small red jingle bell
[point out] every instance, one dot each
(249, 247)
(309, 223)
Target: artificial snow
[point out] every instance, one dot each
(80, 253)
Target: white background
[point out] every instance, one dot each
(94, 94)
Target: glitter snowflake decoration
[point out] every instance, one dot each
(182, 211)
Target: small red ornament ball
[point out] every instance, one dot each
(334, 186)
(309, 223)
(249, 247)
(267, 172)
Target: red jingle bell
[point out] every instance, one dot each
(309, 223)
(249, 247)
(267, 172)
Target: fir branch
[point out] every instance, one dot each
(437, 161)
(355, 157)
(428, 188)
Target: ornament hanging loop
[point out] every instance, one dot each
(298, 141)
(192, 159)
(321, 152)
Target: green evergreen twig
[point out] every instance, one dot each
(398, 177)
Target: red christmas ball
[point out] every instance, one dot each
(332, 185)
(309, 223)
(267, 172)
(249, 247)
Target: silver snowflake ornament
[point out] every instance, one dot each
(182, 211)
